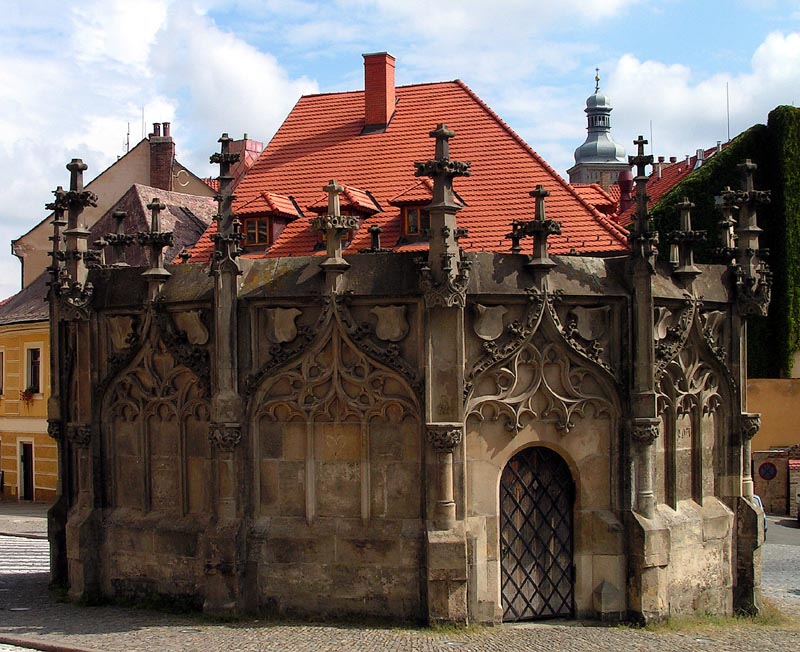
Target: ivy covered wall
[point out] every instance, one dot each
(773, 340)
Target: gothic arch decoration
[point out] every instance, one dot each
(362, 334)
(692, 386)
(538, 374)
(154, 419)
(328, 406)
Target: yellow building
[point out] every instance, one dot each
(28, 456)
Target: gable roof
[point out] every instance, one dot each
(321, 140)
(27, 305)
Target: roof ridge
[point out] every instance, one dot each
(402, 86)
(597, 214)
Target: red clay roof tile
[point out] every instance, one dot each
(321, 139)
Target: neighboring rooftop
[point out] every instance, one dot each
(328, 137)
(186, 216)
(666, 175)
(27, 305)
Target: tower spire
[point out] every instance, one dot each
(599, 159)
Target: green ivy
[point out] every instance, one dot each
(773, 340)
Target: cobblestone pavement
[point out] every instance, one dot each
(31, 615)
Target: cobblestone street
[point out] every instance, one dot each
(30, 614)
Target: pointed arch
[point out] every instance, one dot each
(540, 375)
(319, 419)
(154, 422)
(693, 383)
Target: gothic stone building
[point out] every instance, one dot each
(404, 419)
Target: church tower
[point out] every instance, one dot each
(599, 159)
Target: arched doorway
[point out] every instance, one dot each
(536, 501)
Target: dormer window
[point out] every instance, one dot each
(256, 232)
(416, 221)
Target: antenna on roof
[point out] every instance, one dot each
(728, 110)
(128, 139)
(596, 80)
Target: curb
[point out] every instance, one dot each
(43, 645)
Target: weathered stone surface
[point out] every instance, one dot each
(335, 501)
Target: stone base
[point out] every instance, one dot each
(749, 537)
(57, 536)
(447, 575)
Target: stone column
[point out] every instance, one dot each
(750, 423)
(224, 541)
(444, 437)
(644, 414)
(71, 409)
(443, 280)
(57, 514)
(648, 536)
(644, 433)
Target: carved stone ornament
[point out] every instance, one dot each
(79, 434)
(225, 436)
(191, 323)
(121, 332)
(488, 323)
(448, 293)
(55, 429)
(590, 323)
(645, 430)
(194, 356)
(392, 325)
(674, 336)
(74, 300)
(281, 326)
(750, 423)
(444, 437)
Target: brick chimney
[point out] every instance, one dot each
(248, 151)
(626, 184)
(378, 91)
(162, 157)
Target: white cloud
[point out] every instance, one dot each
(116, 30)
(81, 73)
(222, 83)
(689, 113)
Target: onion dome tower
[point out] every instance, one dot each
(599, 159)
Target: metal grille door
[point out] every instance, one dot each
(536, 498)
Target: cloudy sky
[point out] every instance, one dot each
(74, 75)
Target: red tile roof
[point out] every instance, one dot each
(321, 140)
(595, 195)
(270, 203)
(350, 198)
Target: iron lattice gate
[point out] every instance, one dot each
(536, 498)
